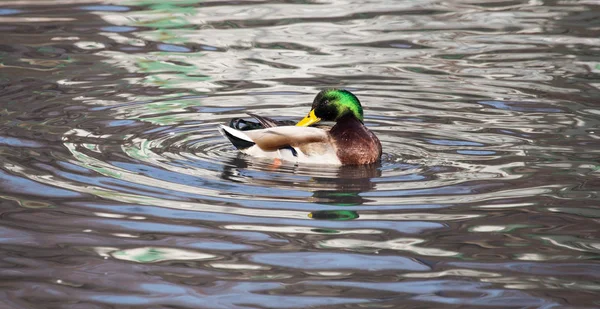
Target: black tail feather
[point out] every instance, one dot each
(263, 123)
(238, 142)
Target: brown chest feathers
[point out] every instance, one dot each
(355, 143)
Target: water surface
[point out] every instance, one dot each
(117, 191)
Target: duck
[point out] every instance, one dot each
(347, 142)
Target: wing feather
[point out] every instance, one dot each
(277, 137)
(265, 121)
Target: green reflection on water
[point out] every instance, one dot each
(160, 2)
(173, 8)
(155, 66)
(146, 256)
(335, 215)
(164, 22)
(170, 69)
(174, 18)
(92, 163)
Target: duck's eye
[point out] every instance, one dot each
(325, 102)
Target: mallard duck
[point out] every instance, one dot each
(348, 142)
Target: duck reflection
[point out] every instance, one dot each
(349, 183)
(328, 185)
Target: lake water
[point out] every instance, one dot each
(117, 190)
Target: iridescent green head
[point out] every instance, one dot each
(331, 105)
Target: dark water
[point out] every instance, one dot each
(117, 191)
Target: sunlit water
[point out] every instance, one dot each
(117, 191)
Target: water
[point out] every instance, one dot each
(117, 190)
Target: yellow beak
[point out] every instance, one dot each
(308, 120)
